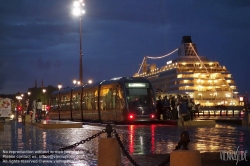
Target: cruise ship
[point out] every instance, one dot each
(207, 82)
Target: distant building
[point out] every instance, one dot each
(206, 81)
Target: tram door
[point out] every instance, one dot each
(110, 102)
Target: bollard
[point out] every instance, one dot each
(184, 140)
(185, 157)
(109, 153)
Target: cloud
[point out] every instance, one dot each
(40, 39)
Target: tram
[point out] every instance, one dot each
(120, 99)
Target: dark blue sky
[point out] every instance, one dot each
(39, 39)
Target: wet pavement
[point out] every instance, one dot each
(147, 144)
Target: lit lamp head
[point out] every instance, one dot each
(44, 90)
(29, 93)
(74, 82)
(59, 86)
(77, 10)
(90, 81)
(19, 97)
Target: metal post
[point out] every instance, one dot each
(71, 115)
(59, 103)
(81, 104)
(44, 111)
(109, 130)
(80, 68)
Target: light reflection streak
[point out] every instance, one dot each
(44, 136)
(152, 138)
(131, 138)
(19, 138)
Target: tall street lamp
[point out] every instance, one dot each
(59, 101)
(78, 11)
(44, 90)
(28, 102)
(44, 108)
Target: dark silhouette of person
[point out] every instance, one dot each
(159, 108)
(166, 107)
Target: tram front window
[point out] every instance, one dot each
(140, 97)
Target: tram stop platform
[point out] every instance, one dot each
(197, 123)
(53, 124)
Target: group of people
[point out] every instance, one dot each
(175, 107)
(36, 113)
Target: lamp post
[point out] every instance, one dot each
(28, 102)
(18, 106)
(78, 11)
(59, 101)
(71, 109)
(44, 90)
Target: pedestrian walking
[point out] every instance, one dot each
(34, 111)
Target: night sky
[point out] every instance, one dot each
(39, 39)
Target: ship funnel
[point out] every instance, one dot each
(187, 48)
(186, 39)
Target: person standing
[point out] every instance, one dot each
(34, 111)
(39, 109)
(159, 108)
(189, 104)
(183, 111)
(27, 106)
(173, 107)
(166, 107)
(192, 110)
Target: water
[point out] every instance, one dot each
(137, 139)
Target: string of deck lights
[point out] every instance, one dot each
(156, 58)
(204, 67)
(141, 65)
(163, 55)
(199, 58)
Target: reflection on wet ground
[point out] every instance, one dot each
(137, 139)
